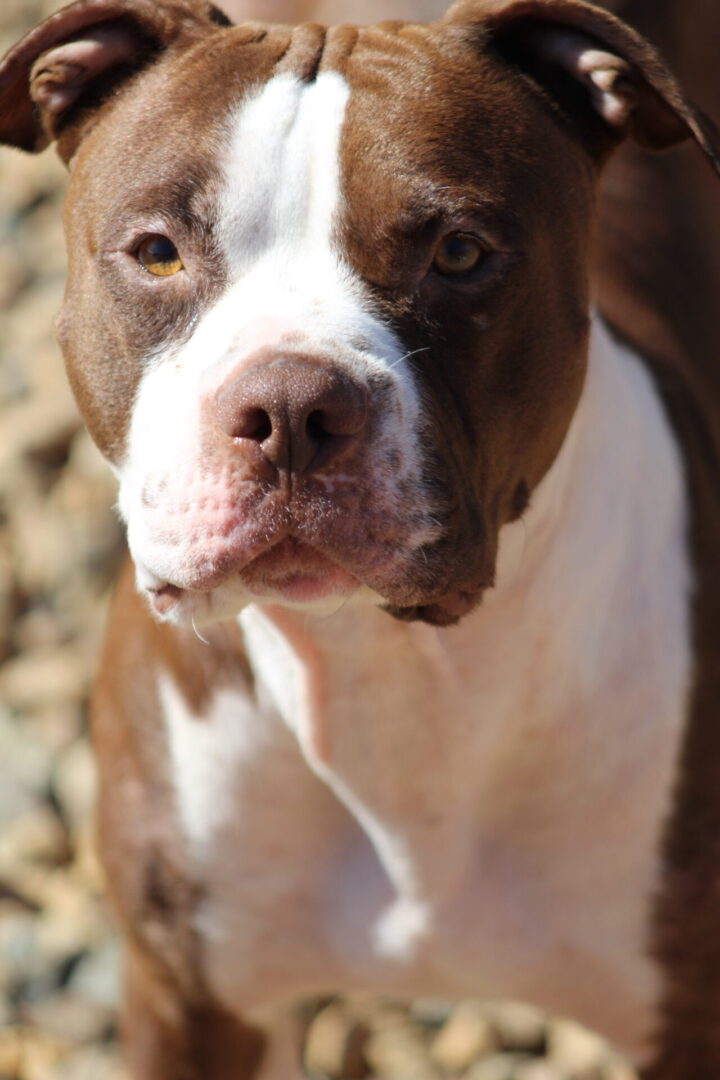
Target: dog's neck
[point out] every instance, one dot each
(590, 585)
(613, 500)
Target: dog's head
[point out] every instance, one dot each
(327, 306)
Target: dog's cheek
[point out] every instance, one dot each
(102, 374)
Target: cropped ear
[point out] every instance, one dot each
(53, 81)
(605, 76)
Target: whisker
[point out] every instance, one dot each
(413, 352)
(197, 633)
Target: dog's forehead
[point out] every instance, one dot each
(418, 101)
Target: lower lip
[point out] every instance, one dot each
(288, 572)
(164, 598)
(297, 575)
(304, 588)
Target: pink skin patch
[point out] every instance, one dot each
(61, 74)
(297, 573)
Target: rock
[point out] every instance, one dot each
(431, 1012)
(87, 870)
(26, 1055)
(43, 677)
(10, 602)
(36, 836)
(467, 1035)
(497, 1067)
(40, 430)
(520, 1027)
(38, 627)
(399, 1053)
(615, 1069)
(97, 976)
(72, 922)
(47, 560)
(71, 1016)
(334, 1045)
(16, 799)
(54, 725)
(576, 1049)
(25, 766)
(10, 1054)
(91, 1063)
(539, 1070)
(18, 951)
(74, 782)
(14, 277)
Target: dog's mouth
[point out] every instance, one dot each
(290, 571)
(314, 553)
(296, 572)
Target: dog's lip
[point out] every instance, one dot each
(164, 596)
(290, 570)
(296, 572)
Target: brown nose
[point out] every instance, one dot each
(303, 414)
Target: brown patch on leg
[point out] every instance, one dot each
(167, 1038)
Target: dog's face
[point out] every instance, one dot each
(352, 252)
(327, 304)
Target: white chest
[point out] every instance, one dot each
(473, 811)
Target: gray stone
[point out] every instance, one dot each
(70, 1015)
(97, 976)
(496, 1067)
(74, 782)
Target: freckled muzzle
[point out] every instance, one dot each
(300, 483)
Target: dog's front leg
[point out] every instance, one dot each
(687, 1041)
(167, 1038)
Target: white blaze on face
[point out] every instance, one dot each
(286, 282)
(288, 136)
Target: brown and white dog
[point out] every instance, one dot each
(414, 686)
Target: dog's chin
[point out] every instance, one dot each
(294, 574)
(290, 574)
(448, 611)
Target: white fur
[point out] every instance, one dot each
(471, 811)
(286, 279)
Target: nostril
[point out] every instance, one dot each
(316, 426)
(252, 424)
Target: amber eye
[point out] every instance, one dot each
(159, 256)
(458, 253)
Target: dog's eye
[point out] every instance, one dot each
(458, 253)
(159, 256)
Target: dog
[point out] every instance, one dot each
(411, 686)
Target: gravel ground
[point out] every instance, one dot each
(59, 548)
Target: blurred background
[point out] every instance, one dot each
(60, 545)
